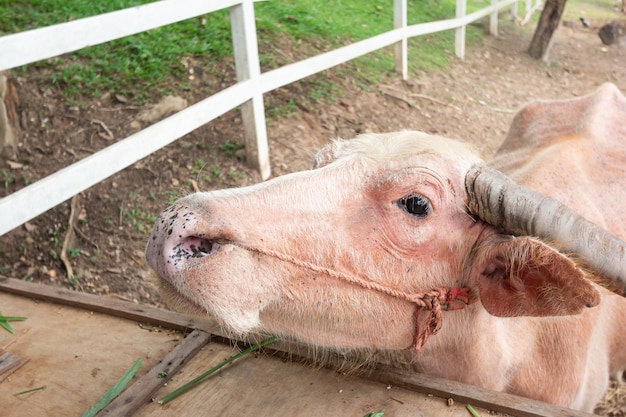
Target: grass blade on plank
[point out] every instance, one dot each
(169, 397)
(471, 410)
(4, 322)
(28, 391)
(114, 391)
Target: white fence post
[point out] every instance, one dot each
(401, 48)
(243, 29)
(493, 20)
(459, 33)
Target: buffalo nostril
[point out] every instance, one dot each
(195, 247)
(203, 247)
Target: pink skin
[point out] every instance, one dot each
(216, 255)
(388, 244)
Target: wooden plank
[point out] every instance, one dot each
(37, 44)
(71, 356)
(141, 392)
(265, 385)
(469, 394)
(106, 305)
(8, 361)
(497, 401)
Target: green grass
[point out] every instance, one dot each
(139, 218)
(145, 66)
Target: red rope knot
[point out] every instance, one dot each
(435, 302)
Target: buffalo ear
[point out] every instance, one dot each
(328, 153)
(325, 156)
(521, 276)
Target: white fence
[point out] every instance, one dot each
(38, 44)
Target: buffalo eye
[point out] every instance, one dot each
(415, 204)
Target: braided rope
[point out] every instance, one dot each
(434, 301)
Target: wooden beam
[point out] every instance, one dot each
(141, 392)
(107, 305)
(8, 361)
(469, 394)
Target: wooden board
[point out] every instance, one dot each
(264, 385)
(75, 354)
(108, 340)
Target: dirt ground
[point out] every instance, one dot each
(473, 100)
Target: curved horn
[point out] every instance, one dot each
(517, 210)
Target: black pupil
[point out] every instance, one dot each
(415, 205)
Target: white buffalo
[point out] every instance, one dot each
(410, 243)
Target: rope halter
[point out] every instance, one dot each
(435, 301)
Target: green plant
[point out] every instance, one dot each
(169, 397)
(4, 322)
(203, 146)
(73, 252)
(172, 196)
(6, 178)
(198, 166)
(56, 237)
(114, 391)
(321, 89)
(132, 65)
(141, 220)
(282, 110)
(235, 175)
(230, 148)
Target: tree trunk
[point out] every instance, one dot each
(548, 23)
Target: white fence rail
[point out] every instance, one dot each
(38, 44)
